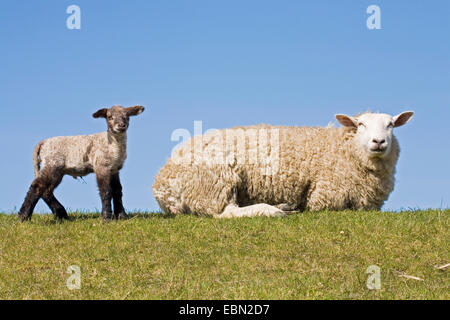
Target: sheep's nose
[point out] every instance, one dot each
(378, 141)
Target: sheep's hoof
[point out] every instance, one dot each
(286, 207)
(173, 210)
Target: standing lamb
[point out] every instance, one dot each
(268, 170)
(103, 153)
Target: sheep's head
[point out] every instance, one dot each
(117, 117)
(374, 131)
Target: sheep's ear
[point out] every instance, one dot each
(134, 111)
(100, 113)
(345, 120)
(403, 118)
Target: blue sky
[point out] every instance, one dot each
(225, 63)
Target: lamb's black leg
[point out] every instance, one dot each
(116, 186)
(57, 208)
(49, 198)
(104, 186)
(37, 188)
(30, 201)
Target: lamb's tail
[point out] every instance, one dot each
(36, 159)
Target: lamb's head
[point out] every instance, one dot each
(373, 131)
(118, 118)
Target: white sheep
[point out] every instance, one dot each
(267, 170)
(103, 153)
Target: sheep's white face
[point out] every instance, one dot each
(374, 130)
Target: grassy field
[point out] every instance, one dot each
(303, 256)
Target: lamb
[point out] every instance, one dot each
(103, 153)
(273, 170)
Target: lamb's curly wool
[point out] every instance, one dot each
(311, 168)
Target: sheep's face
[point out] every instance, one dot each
(118, 118)
(374, 131)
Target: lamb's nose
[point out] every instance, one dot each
(379, 141)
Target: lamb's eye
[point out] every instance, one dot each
(390, 126)
(361, 124)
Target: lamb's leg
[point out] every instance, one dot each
(57, 208)
(39, 185)
(31, 199)
(104, 186)
(262, 209)
(50, 199)
(116, 186)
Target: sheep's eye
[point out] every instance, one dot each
(109, 117)
(361, 124)
(390, 126)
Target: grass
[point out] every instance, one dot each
(303, 256)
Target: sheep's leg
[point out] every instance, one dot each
(104, 186)
(262, 209)
(116, 186)
(50, 199)
(287, 207)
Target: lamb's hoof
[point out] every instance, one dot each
(62, 217)
(107, 216)
(122, 216)
(24, 217)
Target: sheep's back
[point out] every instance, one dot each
(275, 164)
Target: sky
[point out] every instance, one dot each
(225, 63)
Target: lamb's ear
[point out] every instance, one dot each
(100, 113)
(403, 118)
(346, 121)
(134, 111)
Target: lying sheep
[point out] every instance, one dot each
(103, 153)
(267, 170)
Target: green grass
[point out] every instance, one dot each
(303, 256)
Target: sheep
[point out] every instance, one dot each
(266, 170)
(77, 156)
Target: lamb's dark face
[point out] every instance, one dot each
(118, 118)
